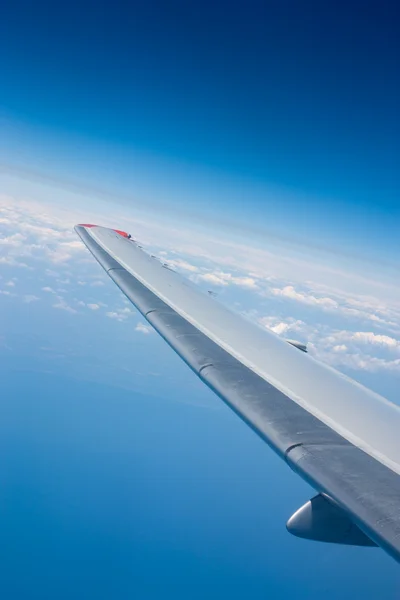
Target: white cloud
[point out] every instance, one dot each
(115, 315)
(74, 245)
(40, 231)
(289, 292)
(360, 350)
(180, 264)
(120, 314)
(28, 229)
(282, 327)
(222, 278)
(35, 235)
(368, 337)
(28, 298)
(16, 240)
(340, 304)
(359, 361)
(61, 304)
(214, 278)
(143, 328)
(340, 348)
(246, 282)
(12, 262)
(365, 338)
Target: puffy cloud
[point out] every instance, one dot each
(221, 278)
(143, 328)
(368, 337)
(34, 235)
(359, 361)
(282, 327)
(214, 278)
(340, 304)
(41, 232)
(61, 304)
(360, 350)
(28, 298)
(93, 306)
(365, 338)
(114, 315)
(289, 292)
(340, 348)
(245, 282)
(29, 230)
(11, 261)
(120, 314)
(97, 283)
(16, 240)
(181, 265)
(74, 245)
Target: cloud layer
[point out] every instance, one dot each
(356, 331)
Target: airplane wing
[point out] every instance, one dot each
(342, 438)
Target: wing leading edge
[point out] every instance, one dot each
(358, 481)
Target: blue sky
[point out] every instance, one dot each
(254, 148)
(280, 115)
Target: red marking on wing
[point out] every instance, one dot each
(123, 233)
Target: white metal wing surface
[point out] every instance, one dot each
(338, 435)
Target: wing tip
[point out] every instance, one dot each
(124, 234)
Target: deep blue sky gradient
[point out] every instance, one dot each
(243, 102)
